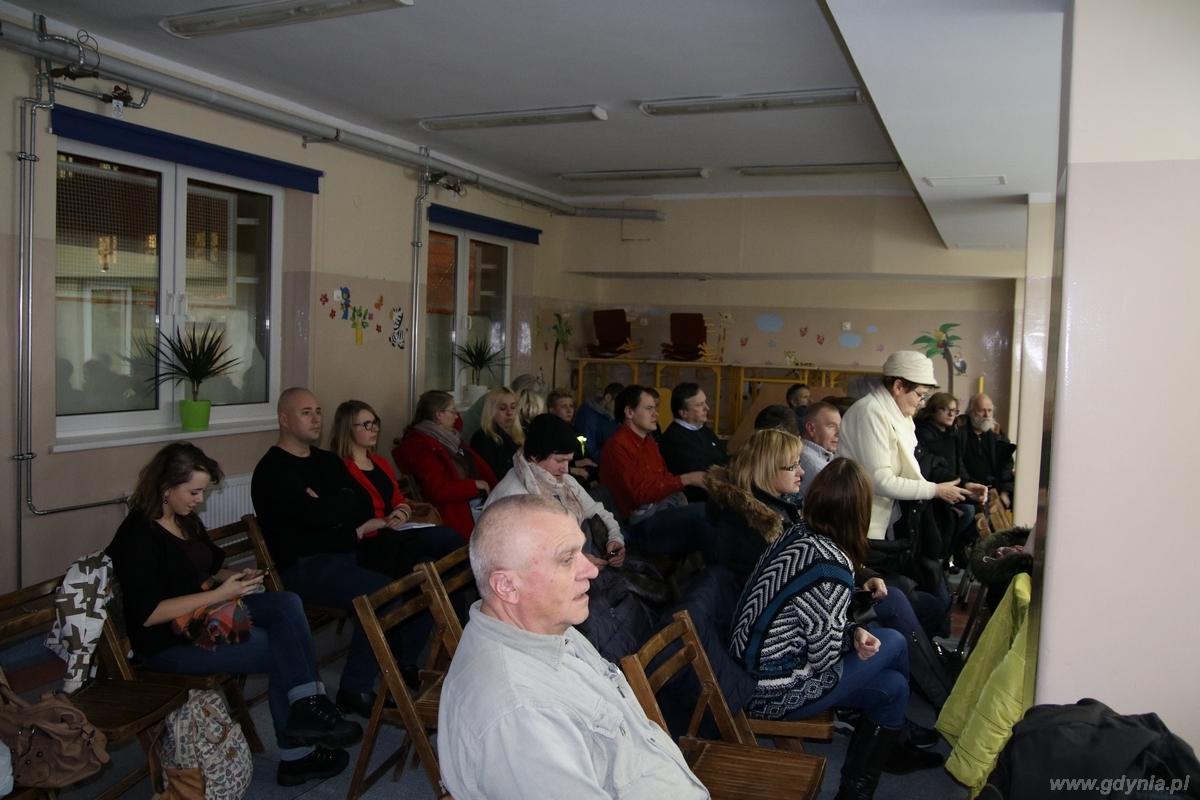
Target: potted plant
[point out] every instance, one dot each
(479, 356)
(193, 358)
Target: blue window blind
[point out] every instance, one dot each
(444, 215)
(95, 129)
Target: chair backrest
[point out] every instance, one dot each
(691, 651)
(688, 330)
(262, 555)
(26, 610)
(234, 541)
(611, 326)
(376, 622)
(408, 485)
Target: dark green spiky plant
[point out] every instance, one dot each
(479, 356)
(188, 356)
(562, 335)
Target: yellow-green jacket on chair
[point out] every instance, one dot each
(988, 698)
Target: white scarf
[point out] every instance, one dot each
(540, 482)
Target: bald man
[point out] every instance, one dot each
(305, 503)
(529, 709)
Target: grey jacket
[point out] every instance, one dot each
(526, 715)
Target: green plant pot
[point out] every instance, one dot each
(193, 414)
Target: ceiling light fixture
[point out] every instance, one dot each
(508, 119)
(251, 16)
(810, 98)
(819, 169)
(967, 180)
(635, 174)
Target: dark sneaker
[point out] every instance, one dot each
(320, 764)
(923, 738)
(316, 720)
(906, 757)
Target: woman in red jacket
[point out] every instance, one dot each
(451, 475)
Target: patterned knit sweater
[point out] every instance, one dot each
(793, 622)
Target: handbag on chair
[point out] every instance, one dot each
(53, 744)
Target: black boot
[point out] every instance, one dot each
(316, 720)
(869, 748)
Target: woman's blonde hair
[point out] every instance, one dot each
(764, 453)
(487, 422)
(530, 403)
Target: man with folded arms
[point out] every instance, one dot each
(529, 709)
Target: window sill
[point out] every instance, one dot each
(70, 444)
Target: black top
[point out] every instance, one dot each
(383, 484)
(498, 456)
(151, 566)
(943, 444)
(686, 450)
(987, 457)
(305, 506)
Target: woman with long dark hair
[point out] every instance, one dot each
(386, 546)
(185, 613)
(795, 634)
(451, 475)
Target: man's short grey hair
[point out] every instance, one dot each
(528, 381)
(495, 543)
(975, 400)
(814, 410)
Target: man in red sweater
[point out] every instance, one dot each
(660, 518)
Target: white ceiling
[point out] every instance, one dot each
(963, 88)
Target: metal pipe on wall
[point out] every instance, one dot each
(414, 317)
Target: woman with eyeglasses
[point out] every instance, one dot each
(500, 432)
(451, 475)
(386, 546)
(943, 460)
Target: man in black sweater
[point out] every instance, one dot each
(987, 452)
(688, 445)
(305, 504)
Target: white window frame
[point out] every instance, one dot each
(138, 425)
(463, 267)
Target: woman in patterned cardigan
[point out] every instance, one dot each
(794, 633)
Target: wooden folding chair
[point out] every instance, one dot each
(318, 616)
(447, 627)
(418, 716)
(117, 707)
(734, 768)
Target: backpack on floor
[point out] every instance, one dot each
(200, 753)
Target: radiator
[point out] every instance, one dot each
(227, 502)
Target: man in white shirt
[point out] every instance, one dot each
(529, 708)
(822, 425)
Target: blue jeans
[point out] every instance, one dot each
(895, 612)
(681, 529)
(931, 609)
(280, 645)
(879, 685)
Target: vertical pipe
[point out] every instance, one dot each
(414, 316)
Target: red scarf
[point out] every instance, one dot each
(376, 498)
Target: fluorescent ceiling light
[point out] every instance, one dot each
(231, 19)
(812, 98)
(507, 119)
(967, 180)
(635, 174)
(820, 169)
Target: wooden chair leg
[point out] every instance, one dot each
(788, 743)
(241, 712)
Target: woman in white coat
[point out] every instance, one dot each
(878, 432)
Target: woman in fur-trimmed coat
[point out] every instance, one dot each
(747, 522)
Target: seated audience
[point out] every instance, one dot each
(530, 402)
(688, 445)
(822, 424)
(451, 475)
(798, 397)
(311, 519)
(184, 613)
(561, 403)
(987, 453)
(660, 518)
(500, 434)
(595, 420)
(472, 418)
(753, 502)
(796, 634)
(777, 416)
(385, 546)
(529, 708)
(938, 436)
(878, 433)
(619, 620)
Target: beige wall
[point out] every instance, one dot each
(1118, 616)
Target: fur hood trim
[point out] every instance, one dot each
(729, 499)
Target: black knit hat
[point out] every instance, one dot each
(548, 435)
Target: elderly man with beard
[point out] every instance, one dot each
(529, 708)
(987, 453)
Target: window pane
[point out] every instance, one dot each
(488, 291)
(228, 277)
(441, 293)
(106, 268)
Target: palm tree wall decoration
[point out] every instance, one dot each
(939, 343)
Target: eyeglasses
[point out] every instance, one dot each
(369, 425)
(791, 467)
(921, 398)
(951, 411)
